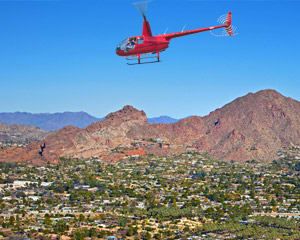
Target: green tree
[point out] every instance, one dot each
(60, 227)
(81, 218)
(11, 221)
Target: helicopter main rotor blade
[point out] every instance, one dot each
(142, 7)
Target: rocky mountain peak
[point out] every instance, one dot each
(269, 93)
(127, 113)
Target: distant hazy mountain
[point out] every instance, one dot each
(162, 119)
(55, 121)
(49, 121)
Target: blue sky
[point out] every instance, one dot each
(60, 55)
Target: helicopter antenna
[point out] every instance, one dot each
(183, 28)
(142, 7)
(165, 31)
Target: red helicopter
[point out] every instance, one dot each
(148, 44)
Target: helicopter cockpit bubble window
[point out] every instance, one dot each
(130, 44)
(123, 44)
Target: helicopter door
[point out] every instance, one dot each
(140, 40)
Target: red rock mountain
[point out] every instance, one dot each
(255, 126)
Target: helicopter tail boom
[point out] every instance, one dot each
(184, 33)
(226, 24)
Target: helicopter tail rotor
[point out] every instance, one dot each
(228, 29)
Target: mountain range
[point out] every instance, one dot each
(254, 126)
(55, 121)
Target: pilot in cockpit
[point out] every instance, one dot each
(132, 43)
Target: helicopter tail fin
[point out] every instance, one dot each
(228, 20)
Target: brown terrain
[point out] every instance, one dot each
(255, 126)
(16, 133)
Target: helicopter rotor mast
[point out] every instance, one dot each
(142, 7)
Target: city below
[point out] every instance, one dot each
(184, 196)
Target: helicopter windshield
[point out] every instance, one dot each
(123, 44)
(127, 44)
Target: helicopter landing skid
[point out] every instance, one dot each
(139, 60)
(142, 63)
